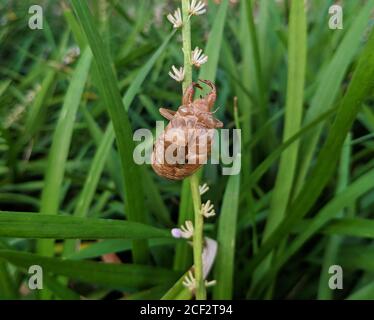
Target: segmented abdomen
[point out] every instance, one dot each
(183, 147)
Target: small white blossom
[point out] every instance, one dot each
(210, 283)
(72, 55)
(198, 57)
(207, 209)
(176, 19)
(14, 115)
(190, 282)
(203, 189)
(196, 8)
(185, 231)
(177, 74)
(31, 94)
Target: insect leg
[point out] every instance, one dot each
(218, 124)
(189, 93)
(166, 113)
(211, 97)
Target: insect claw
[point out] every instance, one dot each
(197, 85)
(209, 83)
(211, 97)
(189, 93)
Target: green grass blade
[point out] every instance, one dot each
(344, 199)
(7, 285)
(93, 176)
(100, 248)
(329, 86)
(29, 225)
(91, 183)
(353, 227)
(364, 293)
(226, 237)
(208, 70)
(357, 257)
(4, 86)
(246, 75)
(359, 89)
(248, 7)
(62, 292)
(154, 293)
(104, 148)
(60, 146)
(37, 109)
(134, 197)
(332, 248)
(144, 72)
(266, 164)
(109, 275)
(294, 107)
(178, 291)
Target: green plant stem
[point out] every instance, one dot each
(198, 238)
(186, 36)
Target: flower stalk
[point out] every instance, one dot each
(186, 38)
(198, 238)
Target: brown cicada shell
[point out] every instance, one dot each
(185, 144)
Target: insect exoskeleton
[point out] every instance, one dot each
(185, 144)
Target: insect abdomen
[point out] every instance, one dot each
(188, 137)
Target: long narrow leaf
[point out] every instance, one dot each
(224, 265)
(134, 196)
(110, 275)
(60, 146)
(359, 89)
(29, 225)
